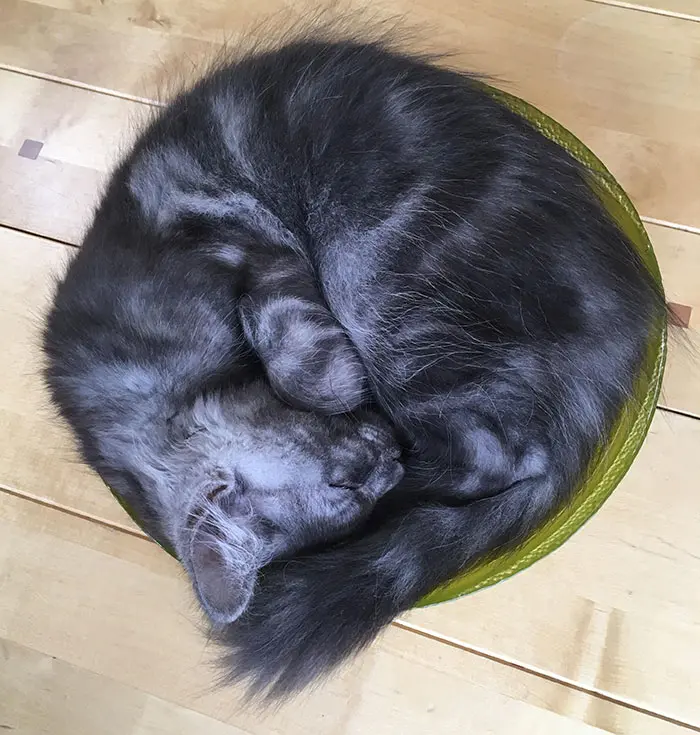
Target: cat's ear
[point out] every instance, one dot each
(223, 573)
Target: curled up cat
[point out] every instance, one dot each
(341, 326)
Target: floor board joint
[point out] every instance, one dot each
(648, 9)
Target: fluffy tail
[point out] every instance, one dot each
(310, 614)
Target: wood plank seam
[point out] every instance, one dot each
(53, 505)
(479, 651)
(48, 238)
(67, 243)
(647, 9)
(544, 674)
(672, 225)
(678, 412)
(79, 85)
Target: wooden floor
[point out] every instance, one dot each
(97, 626)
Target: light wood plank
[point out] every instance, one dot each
(59, 40)
(76, 127)
(628, 89)
(48, 197)
(83, 135)
(43, 695)
(114, 612)
(623, 586)
(678, 254)
(39, 458)
(684, 9)
(209, 21)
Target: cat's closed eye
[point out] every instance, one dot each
(180, 430)
(216, 492)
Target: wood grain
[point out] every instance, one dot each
(683, 9)
(96, 625)
(678, 254)
(44, 695)
(59, 41)
(639, 110)
(602, 610)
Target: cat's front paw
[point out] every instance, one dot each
(362, 468)
(309, 360)
(368, 463)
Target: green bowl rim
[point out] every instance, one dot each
(610, 463)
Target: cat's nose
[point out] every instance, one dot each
(351, 478)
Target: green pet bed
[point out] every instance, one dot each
(610, 462)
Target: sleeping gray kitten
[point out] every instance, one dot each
(316, 256)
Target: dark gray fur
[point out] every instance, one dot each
(308, 246)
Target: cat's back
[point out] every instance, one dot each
(320, 136)
(397, 177)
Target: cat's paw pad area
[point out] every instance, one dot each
(330, 379)
(309, 360)
(367, 462)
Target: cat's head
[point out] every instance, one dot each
(246, 479)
